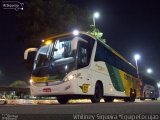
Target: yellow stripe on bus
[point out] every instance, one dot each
(126, 83)
(130, 82)
(40, 79)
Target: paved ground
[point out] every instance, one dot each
(59, 111)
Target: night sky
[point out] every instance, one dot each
(130, 27)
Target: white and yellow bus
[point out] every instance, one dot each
(70, 66)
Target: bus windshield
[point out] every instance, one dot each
(58, 58)
(41, 58)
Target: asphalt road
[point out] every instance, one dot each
(57, 111)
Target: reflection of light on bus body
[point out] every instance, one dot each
(66, 67)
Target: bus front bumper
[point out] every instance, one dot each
(64, 88)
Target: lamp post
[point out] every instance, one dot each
(149, 71)
(136, 58)
(95, 15)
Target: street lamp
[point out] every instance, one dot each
(136, 58)
(158, 84)
(95, 15)
(149, 71)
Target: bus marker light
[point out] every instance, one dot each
(132, 92)
(48, 42)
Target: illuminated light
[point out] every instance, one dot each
(158, 84)
(149, 71)
(30, 81)
(42, 40)
(66, 67)
(96, 15)
(70, 77)
(75, 32)
(48, 42)
(132, 92)
(137, 57)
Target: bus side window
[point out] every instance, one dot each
(99, 56)
(82, 55)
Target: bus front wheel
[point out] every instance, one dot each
(62, 99)
(98, 94)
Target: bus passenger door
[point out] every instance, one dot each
(82, 63)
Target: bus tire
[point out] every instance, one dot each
(132, 99)
(142, 98)
(98, 93)
(62, 99)
(127, 99)
(108, 99)
(153, 99)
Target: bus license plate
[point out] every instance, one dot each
(46, 89)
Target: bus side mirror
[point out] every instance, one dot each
(29, 56)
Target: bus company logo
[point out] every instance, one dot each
(100, 68)
(84, 88)
(12, 5)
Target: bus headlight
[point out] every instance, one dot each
(69, 77)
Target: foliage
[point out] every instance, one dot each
(96, 32)
(19, 83)
(41, 18)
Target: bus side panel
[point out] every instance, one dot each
(101, 72)
(84, 82)
(115, 77)
(130, 82)
(127, 83)
(123, 81)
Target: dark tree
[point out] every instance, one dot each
(42, 18)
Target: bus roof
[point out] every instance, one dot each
(70, 33)
(87, 34)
